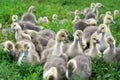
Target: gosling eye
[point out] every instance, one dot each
(63, 35)
(109, 18)
(14, 17)
(102, 27)
(94, 38)
(14, 25)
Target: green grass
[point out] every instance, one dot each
(9, 70)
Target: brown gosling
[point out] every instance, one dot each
(15, 27)
(82, 24)
(80, 65)
(55, 71)
(94, 13)
(25, 25)
(29, 16)
(9, 47)
(29, 55)
(110, 53)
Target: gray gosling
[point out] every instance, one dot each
(110, 53)
(79, 66)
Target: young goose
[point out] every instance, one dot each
(18, 32)
(107, 20)
(82, 24)
(48, 34)
(87, 32)
(110, 53)
(103, 15)
(76, 18)
(31, 56)
(79, 66)
(19, 45)
(29, 16)
(103, 45)
(55, 71)
(51, 42)
(94, 13)
(45, 19)
(93, 50)
(14, 18)
(10, 48)
(75, 48)
(57, 48)
(77, 13)
(116, 13)
(88, 9)
(54, 17)
(25, 25)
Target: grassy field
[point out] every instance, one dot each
(9, 70)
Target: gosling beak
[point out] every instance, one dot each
(98, 31)
(25, 53)
(67, 39)
(12, 53)
(80, 40)
(112, 46)
(12, 30)
(113, 22)
(97, 41)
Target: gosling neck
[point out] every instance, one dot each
(58, 48)
(19, 30)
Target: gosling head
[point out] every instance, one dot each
(77, 12)
(102, 28)
(78, 35)
(92, 5)
(95, 39)
(26, 48)
(9, 47)
(45, 19)
(31, 9)
(108, 13)
(61, 36)
(77, 18)
(108, 19)
(98, 5)
(15, 27)
(116, 13)
(111, 42)
(54, 17)
(51, 74)
(14, 18)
